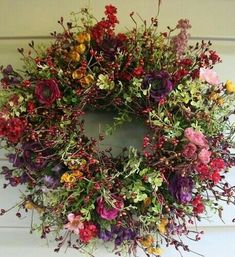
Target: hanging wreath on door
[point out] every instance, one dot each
(140, 197)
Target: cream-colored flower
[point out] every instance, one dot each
(104, 82)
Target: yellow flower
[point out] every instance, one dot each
(78, 74)
(87, 80)
(214, 96)
(155, 251)
(81, 48)
(162, 226)
(147, 241)
(67, 178)
(74, 56)
(83, 37)
(31, 206)
(230, 87)
(220, 101)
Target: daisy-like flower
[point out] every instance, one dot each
(74, 224)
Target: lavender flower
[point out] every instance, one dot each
(51, 182)
(159, 83)
(181, 188)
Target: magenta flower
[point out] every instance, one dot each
(108, 213)
(74, 223)
(196, 137)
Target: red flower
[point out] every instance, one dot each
(215, 177)
(121, 37)
(217, 164)
(30, 107)
(2, 127)
(47, 91)
(198, 206)
(138, 71)
(202, 169)
(89, 232)
(14, 130)
(110, 9)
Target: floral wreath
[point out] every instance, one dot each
(139, 198)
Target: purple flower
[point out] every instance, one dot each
(181, 188)
(51, 182)
(105, 235)
(34, 156)
(119, 234)
(16, 160)
(10, 76)
(159, 83)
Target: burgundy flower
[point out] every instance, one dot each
(14, 129)
(47, 91)
(3, 124)
(34, 156)
(159, 83)
(181, 188)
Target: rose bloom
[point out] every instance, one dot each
(196, 137)
(47, 91)
(189, 151)
(108, 213)
(160, 84)
(209, 76)
(204, 156)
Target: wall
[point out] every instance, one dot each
(23, 20)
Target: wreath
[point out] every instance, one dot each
(140, 197)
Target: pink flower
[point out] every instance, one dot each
(196, 137)
(74, 223)
(189, 151)
(209, 76)
(108, 213)
(204, 156)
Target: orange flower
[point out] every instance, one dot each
(147, 202)
(87, 80)
(83, 37)
(77, 173)
(74, 56)
(78, 74)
